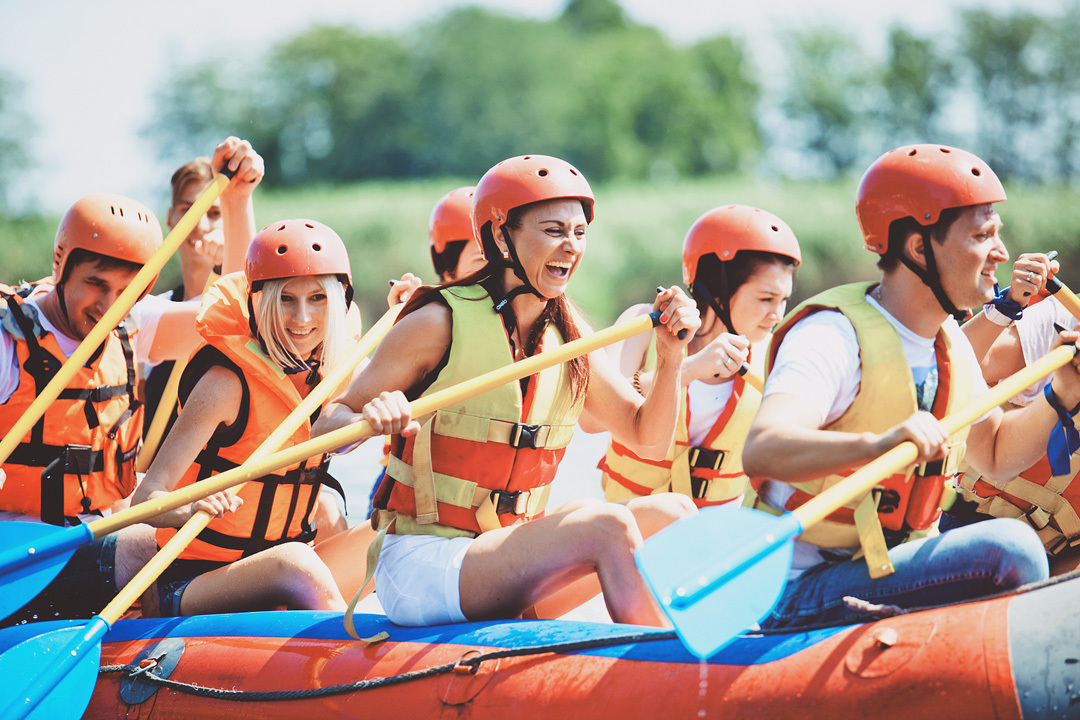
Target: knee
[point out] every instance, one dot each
(301, 574)
(608, 526)
(136, 545)
(655, 512)
(1020, 555)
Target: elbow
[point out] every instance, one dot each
(754, 459)
(655, 453)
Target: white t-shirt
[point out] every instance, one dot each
(146, 314)
(819, 361)
(706, 403)
(1037, 334)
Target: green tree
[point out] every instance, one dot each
(341, 105)
(591, 16)
(16, 131)
(1009, 56)
(916, 79)
(829, 99)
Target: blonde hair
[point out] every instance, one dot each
(271, 323)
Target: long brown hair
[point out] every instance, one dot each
(560, 312)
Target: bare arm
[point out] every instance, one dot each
(1005, 444)
(214, 401)
(786, 442)
(645, 425)
(412, 349)
(237, 208)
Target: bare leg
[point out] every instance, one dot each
(328, 520)
(346, 556)
(289, 574)
(652, 513)
(135, 546)
(507, 570)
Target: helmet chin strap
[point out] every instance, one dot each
(491, 250)
(931, 278)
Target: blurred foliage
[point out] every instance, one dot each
(16, 131)
(634, 244)
(458, 94)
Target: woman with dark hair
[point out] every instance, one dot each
(739, 263)
(462, 507)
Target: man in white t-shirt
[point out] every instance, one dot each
(77, 462)
(862, 368)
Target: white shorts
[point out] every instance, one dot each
(417, 579)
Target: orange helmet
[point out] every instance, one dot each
(110, 225)
(527, 179)
(727, 230)
(920, 181)
(451, 219)
(294, 248)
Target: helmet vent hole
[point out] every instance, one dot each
(121, 212)
(913, 152)
(281, 228)
(282, 249)
(527, 157)
(309, 225)
(113, 208)
(945, 150)
(975, 172)
(542, 173)
(775, 229)
(316, 247)
(573, 171)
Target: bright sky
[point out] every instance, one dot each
(90, 68)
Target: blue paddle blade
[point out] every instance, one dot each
(52, 675)
(23, 573)
(718, 572)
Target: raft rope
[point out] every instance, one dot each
(470, 663)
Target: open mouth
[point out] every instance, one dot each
(301, 333)
(560, 269)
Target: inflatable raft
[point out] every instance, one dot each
(1016, 656)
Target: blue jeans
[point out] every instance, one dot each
(963, 564)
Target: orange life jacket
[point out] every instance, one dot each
(710, 473)
(80, 456)
(906, 504)
(488, 461)
(277, 507)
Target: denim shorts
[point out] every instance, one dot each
(81, 590)
(172, 583)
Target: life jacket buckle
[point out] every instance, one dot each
(513, 503)
(699, 487)
(887, 500)
(706, 458)
(525, 436)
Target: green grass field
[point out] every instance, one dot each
(634, 243)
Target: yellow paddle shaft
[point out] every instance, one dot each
(112, 317)
(183, 537)
(904, 454)
(1067, 298)
(345, 436)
